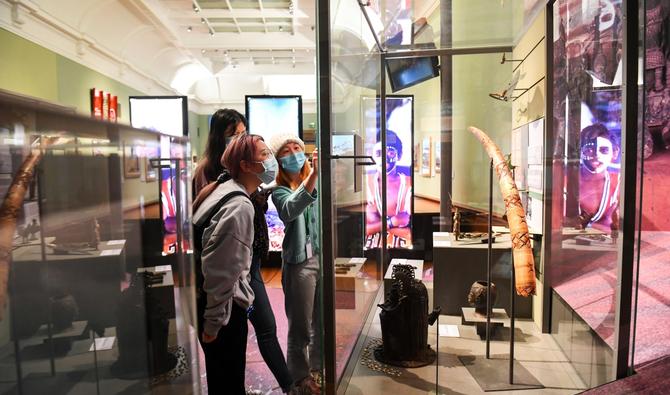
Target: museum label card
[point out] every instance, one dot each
(449, 331)
(115, 242)
(110, 252)
(103, 343)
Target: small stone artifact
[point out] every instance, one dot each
(477, 296)
(457, 223)
(404, 320)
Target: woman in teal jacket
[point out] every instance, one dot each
(295, 198)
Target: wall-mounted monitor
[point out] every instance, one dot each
(164, 114)
(269, 115)
(406, 72)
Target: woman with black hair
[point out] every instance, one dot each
(225, 124)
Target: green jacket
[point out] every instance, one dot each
(298, 212)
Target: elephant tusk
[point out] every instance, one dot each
(524, 266)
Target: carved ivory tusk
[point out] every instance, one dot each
(8, 213)
(524, 266)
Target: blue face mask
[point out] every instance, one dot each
(270, 170)
(293, 163)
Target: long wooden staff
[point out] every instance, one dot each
(524, 266)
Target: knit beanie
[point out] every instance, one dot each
(278, 141)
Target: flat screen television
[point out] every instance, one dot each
(165, 114)
(406, 72)
(269, 115)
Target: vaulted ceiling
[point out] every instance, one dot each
(215, 51)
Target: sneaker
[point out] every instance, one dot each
(308, 387)
(317, 376)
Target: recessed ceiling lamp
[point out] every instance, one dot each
(202, 20)
(189, 29)
(203, 51)
(281, 28)
(196, 8)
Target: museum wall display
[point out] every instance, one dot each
(92, 301)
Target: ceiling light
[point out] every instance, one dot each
(202, 20)
(189, 29)
(203, 51)
(281, 28)
(196, 8)
(211, 33)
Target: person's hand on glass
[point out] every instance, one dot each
(315, 160)
(401, 220)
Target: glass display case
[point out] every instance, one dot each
(91, 300)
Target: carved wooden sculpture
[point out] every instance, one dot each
(524, 266)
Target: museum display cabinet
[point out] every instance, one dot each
(97, 284)
(409, 183)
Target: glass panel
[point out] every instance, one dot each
(94, 306)
(401, 25)
(586, 168)
(651, 340)
(358, 269)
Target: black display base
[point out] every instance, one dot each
(137, 369)
(493, 374)
(426, 358)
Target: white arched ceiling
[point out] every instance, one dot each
(145, 44)
(91, 9)
(135, 34)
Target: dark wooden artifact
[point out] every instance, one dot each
(477, 296)
(404, 320)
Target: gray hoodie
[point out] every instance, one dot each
(226, 254)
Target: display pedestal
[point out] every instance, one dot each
(498, 318)
(492, 374)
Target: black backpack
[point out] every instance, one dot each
(198, 231)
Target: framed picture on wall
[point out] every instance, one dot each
(426, 157)
(131, 162)
(417, 157)
(150, 173)
(437, 153)
(344, 170)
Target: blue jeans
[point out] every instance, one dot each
(263, 320)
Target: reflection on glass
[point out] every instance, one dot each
(652, 341)
(93, 306)
(587, 162)
(398, 217)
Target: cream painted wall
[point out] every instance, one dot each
(426, 125)
(530, 105)
(475, 76)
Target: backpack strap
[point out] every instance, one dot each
(220, 204)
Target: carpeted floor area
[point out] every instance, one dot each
(589, 285)
(650, 379)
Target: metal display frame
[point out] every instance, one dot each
(626, 259)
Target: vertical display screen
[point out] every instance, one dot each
(398, 152)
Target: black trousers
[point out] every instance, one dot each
(226, 356)
(263, 320)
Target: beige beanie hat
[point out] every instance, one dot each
(278, 141)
